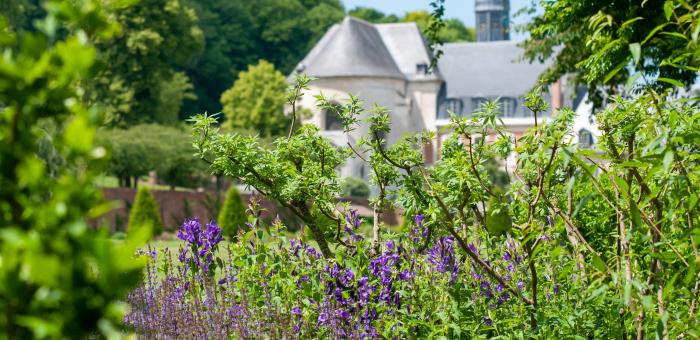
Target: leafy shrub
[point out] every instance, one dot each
(145, 212)
(232, 215)
(354, 187)
(58, 277)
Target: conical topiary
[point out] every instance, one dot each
(232, 214)
(498, 221)
(145, 212)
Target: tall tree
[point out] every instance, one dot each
(229, 47)
(157, 36)
(240, 32)
(256, 101)
(608, 43)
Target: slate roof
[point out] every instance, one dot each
(408, 47)
(351, 48)
(487, 69)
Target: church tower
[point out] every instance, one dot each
(492, 20)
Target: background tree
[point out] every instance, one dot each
(145, 213)
(156, 36)
(453, 31)
(150, 147)
(240, 32)
(607, 44)
(232, 214)
(256, 101)
(373, 15)
(230, 46)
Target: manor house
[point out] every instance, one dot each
(388, 64)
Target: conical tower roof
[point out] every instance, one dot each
(351, 48)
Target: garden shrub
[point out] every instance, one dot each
(59, 278)
(354, 187)
(232, 215)
(145, 212)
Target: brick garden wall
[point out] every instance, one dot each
(175, 206)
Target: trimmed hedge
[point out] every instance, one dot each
(232, 214)
(145, 212)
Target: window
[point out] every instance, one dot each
(509, 106)
(332, 119)
(453, 106)
(585, 138)
(477, 103)
(422, 68)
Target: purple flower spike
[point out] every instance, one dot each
(550, 220)
(322, 318)
(296, 310)
(488, 321)
(419, 219)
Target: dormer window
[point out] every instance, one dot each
(422, 68)
(585, 138)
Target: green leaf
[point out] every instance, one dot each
(668, 9)
(671, 81)
(636, 50)
(668, 159)
(616, 70)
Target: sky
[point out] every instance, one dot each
(460, 9)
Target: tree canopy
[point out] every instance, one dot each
(256, 101)
(139, 82)
(240, 32)
(608, 44)
(453, 31)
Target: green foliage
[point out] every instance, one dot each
(453, 31)
(256, 101)
(58, 277)
(138, 82)
(372, 15)
(232, 215)
(617, 43)
(498, 221)
(145, 213)
(149, 147)
(355, 187)
(238, 33)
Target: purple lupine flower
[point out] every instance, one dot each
(343, 314)
(419, 219)
(190, 232)
(556, 289)
(296, 310)
(322, 318)
(472, 247)
(390, 245)
(550, 220)
(405, 275)
(507, 257)
(499, 288)
(347, 277)
(488, 321)
(520, 284)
